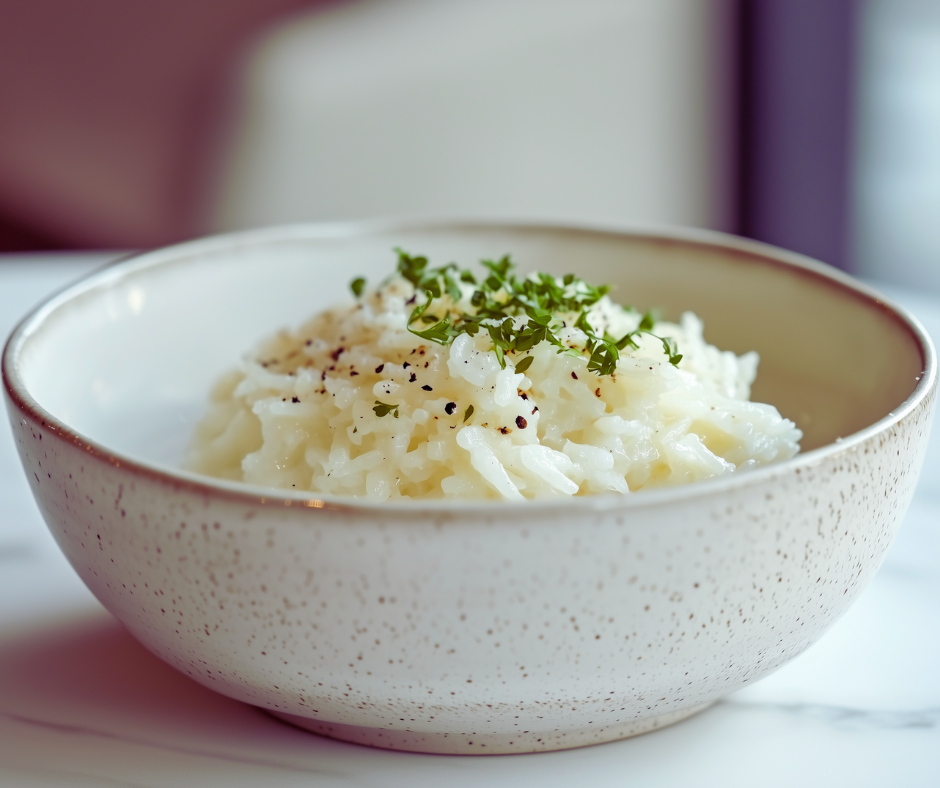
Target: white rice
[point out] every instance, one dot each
(299, 413)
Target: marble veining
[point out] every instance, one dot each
(87, 731)
(852, 719)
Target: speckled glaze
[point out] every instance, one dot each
(478, 628)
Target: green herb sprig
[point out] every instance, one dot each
(502, 296)
(605, 351)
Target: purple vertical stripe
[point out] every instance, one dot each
(796, 91)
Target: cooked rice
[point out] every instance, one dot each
(300, 413)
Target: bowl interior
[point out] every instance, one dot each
(127, 357)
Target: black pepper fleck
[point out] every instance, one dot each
(450, 407)
(521, 423)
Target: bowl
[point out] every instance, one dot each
(475, 627)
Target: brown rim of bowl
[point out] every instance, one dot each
(265, 496)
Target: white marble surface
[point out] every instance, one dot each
(81, 704)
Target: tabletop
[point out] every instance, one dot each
(83, 704)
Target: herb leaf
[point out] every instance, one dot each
(502, 301)
(357, 285)
(383, 409)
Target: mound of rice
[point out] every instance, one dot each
(303, 411)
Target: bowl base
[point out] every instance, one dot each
(489, 743)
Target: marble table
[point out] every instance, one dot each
(82, 704)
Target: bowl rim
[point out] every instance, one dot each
(118, 270)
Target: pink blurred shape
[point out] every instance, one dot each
(111, 112)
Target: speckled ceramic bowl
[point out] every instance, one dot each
(478, 627)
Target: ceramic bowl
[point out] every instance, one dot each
(467, 627)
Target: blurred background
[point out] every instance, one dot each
(810, 124)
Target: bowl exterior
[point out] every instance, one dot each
(478, 630)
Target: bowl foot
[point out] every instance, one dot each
(489, 743)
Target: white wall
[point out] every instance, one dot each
(596, 110)
(897, 206)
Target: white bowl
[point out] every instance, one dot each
(467, 627)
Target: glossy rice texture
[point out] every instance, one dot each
(300, 411)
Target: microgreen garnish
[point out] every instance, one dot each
(383, 409)
(502, 301)
(357, 285)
